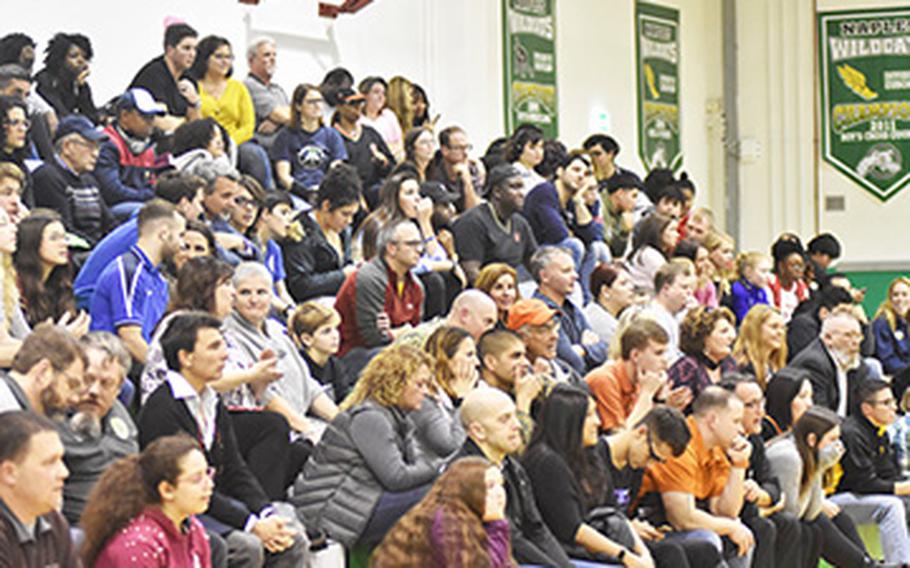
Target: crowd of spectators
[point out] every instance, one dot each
(237, 329)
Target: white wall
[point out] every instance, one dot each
(785, 187)
(596, 59)
(871, 229)
(453, 49)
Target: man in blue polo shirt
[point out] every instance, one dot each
(181, 189)
(131, 294)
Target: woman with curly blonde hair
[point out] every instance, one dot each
(499, 281)
(706, 338)
(367, 470)
(459, 523)
(761, 348)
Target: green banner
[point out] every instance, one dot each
(657, 64)
(529, 62)
(865, 96)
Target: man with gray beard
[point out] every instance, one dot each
(100, 431)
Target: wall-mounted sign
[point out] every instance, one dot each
(529, 61)
(657, 63)
(865, 96)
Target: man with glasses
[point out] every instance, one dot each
(66, 184)
(777, 533)
(872, 489)
(367, 151)
(126, 163)
(661, 434)
(101, 430)
(382, 299)
(452, 166)
(834, 363)
(46, 376)
(538, 326)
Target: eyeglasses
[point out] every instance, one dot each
(91, 146)
(416, 244)
(651, 453)
(462, 148)
(73, 383)
(23, 122)
(199, 478)
(244, 202)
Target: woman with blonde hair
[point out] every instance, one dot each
(13, 326)
(460, 523)
(722, 253)
(761, 348)
(500, 282)
(401, 101)
(367, 470)
(892, 339)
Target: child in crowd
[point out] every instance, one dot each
(314, 328)
(754, 269)
(273, 225)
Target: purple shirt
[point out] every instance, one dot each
(445, 534)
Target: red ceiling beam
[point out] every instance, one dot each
(327, 10)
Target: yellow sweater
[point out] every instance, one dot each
(234, 110)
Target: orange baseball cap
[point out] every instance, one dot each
(529, 311)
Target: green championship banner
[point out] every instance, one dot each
(865, 96)
(657, 64)
(529, 52)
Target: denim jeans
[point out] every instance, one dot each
(888, 512)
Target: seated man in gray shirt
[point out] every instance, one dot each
(271, 103)
(101, 431)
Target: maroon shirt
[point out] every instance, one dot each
(371, 289)
(151, 539)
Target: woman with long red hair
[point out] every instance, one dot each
(460, 522)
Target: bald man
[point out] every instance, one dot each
(490, 420)
(472, 311)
